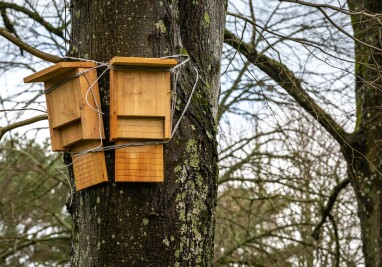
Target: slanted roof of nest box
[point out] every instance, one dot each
(143, 62)
(56, 70)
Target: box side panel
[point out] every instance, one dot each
(113, 104)
(167, 111)
(92, 124)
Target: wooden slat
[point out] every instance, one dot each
(140, 127)
(70, 133)
(167, 111)
(139, 164)
(57, 70)
(113, 107)
(141, 61)
(89, 169)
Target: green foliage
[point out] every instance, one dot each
(34, 226)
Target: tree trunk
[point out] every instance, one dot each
(364, 157)
(151, 224)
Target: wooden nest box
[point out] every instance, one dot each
(71, 119)
(73, 124)
(140, 99)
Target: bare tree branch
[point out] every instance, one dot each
(376, 16)
(287, 80)
(12, 126)
(223, 106)
(9, 25)
(336, 239)
(36, 17)
(326, 212)
(26, 47)
(26, 243)
(320, 8)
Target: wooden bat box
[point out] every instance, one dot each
(71, 119)
(73, 125)
(140, 99)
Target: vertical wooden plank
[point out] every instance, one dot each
(113, 104)
(92, 124)
(89, 169)
(167, 100)
(139, 163)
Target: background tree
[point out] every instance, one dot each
(170, 224)
(35, 229)
(261, 45)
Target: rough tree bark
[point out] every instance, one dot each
(170, 224)
(365, 169)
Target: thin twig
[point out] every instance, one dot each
(321, 7)
(337, 254)
(339, 9)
